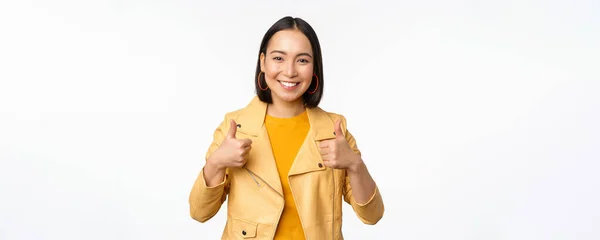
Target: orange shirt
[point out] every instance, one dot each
(286, 136)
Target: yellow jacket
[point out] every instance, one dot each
(254, 192)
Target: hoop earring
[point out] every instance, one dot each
(316, 87)
(258, 81)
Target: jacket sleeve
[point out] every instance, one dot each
(206, 201)
(371, 211)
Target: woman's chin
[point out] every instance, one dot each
(289, 96)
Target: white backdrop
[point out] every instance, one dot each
(478, 120)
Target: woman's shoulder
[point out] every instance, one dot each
(232, 114)
(334, 116)
(247, 118)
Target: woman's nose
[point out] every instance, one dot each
(289, 70)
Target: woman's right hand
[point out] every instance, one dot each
(232, 152)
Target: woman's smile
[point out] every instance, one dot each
(289, 85)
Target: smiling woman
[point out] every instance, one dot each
(283, 163)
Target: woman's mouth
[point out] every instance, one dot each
(289, 85)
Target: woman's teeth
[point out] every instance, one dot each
(289, 84)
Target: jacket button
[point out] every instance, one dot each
(243, 232)
(320, 165)
(239, 125)
(333, 133)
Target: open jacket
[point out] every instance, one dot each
(254, 192)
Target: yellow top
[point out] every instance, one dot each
(286, 136)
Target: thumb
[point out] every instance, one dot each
(338, 129)
(232, 129)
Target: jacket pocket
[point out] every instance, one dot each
(244, 228)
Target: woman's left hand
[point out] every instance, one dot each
(336, 153)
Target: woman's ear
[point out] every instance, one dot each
(262, 62)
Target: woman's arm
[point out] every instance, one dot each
(212, 184)
(363, 185)
(360, 190)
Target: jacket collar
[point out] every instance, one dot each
(253, 115)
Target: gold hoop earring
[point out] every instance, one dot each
(258, 81)
(316, 87)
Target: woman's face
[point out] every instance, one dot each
(288, 65)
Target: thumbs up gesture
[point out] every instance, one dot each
(336, 153)
(233, 152)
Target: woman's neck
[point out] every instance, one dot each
(284, 109)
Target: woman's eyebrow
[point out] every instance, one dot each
(284, 53)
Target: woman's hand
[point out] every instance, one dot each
(232, 152)
(336, 153)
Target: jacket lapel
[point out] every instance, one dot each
(261, 160)
(309, 158)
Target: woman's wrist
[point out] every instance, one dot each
(213, 165)
(357, 164)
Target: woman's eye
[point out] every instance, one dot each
(303, 61)
(277, 58)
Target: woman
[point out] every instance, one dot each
(284, 163)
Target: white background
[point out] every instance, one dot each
(478, 120)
